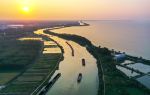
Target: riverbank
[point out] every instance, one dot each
(49, 43)
(113, 82)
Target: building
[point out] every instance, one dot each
(120, 57)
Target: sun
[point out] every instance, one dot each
(26, 9)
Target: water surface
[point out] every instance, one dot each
(70, 68)
(128, 36)
(145, 80)
(141, 67)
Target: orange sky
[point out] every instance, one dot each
(74, 9)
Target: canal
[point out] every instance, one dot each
(70, 68)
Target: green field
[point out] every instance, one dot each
(24, 67)
(6, 77)
(34, 75)
(15, 56)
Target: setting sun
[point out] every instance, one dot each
(26, 9)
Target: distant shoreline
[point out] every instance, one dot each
(86, 24)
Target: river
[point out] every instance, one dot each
(129, 36)
(70, 68)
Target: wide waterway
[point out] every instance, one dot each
(70, 67)
(131, 37)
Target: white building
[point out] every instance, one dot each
(120, 57)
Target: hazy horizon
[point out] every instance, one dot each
(75, 10)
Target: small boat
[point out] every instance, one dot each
(83, 62)
(57, 76)
(42, 93)
(49, 84)
(79, 78)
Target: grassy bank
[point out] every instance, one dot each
(112, 81)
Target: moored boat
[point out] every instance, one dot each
(83, 62)
(79, 78)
